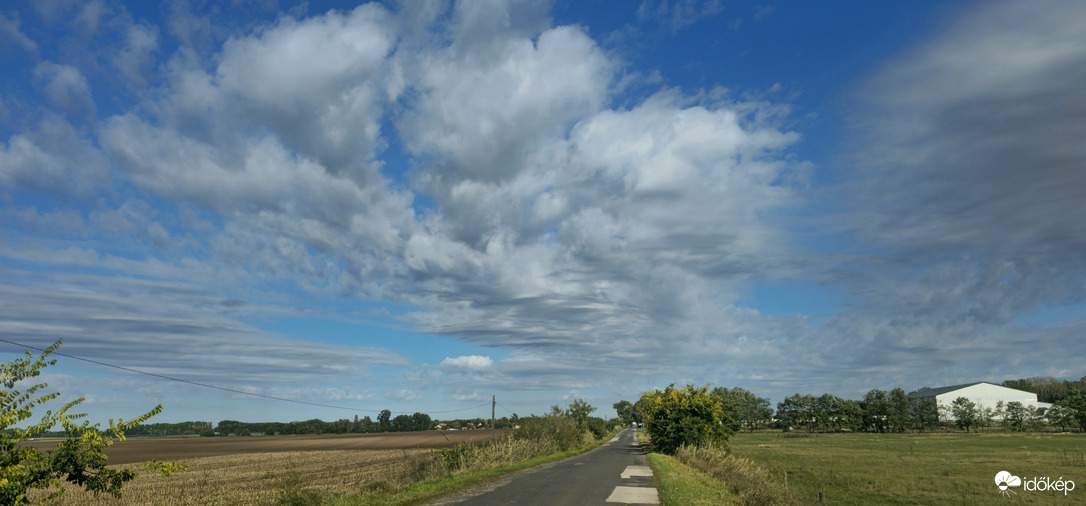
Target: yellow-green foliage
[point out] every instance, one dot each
(78, 459)
(686, 416)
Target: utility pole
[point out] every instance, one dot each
(493, 402)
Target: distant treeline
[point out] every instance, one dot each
(893, 410)
(385, 422)
(1048, 389)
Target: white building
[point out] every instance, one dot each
(983, 394)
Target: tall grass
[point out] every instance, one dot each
(750, 482)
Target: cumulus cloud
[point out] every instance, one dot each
(66, 88)
(135, 58)
(468, 362)
(53, 158)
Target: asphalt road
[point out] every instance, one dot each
(615, 473)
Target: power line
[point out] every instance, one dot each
(224, 389)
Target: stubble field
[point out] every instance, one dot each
(268, 469)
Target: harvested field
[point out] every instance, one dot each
(264, 478)
(269, 469)
(144, 449)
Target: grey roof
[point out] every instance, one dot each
(932, 392)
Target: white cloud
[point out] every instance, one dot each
(66, 88)
(485, 111)
(473, 362)
(136, 57)
(318, 83)
(53, 158)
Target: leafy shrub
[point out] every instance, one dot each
(598, 427)
(687, 416)
(78, 459)
(553, 433)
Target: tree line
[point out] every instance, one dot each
(884, 411)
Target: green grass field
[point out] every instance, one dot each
(939, 468)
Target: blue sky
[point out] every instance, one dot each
(416, 205)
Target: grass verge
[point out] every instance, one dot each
(709, 475)
(678, 484)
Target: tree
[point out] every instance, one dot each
(686, 416)
(624, 410)
(1060, 416)
(384, 419)
(877, 410)
(579, 411)
(746, 409)
(78, 459)
(923, 412)
(1016, 416)
(965, 413)
(1075, 402)
(422, 421)
(796, 411)
(403, 423)
(900, 409)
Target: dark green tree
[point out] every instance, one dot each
(579, 411)
(1016, 416)
(877, 410)
(384, 420)
(965, 412)
(747, 410)
(402, 423)
(624, 411)
(1075, 402)
(421, 421)
(923, 412)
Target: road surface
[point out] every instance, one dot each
(615, 473)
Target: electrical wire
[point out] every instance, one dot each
(224, 389)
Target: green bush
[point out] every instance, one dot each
(598, 427)
(687, 416)
(78, 459)
(554, 433)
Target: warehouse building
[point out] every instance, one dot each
(984, 395)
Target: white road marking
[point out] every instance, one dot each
(634, 495)
(632, 471)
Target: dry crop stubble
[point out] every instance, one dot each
(262, 478)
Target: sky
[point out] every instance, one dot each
(281, 211)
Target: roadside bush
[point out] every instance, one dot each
(687, 416)
(78, 459)
(553, 433)
(599, 427)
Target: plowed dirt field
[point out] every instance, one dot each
(142, 449)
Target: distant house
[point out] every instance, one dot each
(983, 394)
